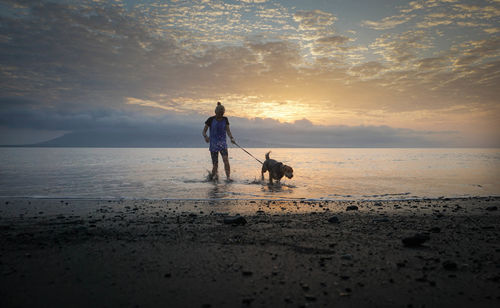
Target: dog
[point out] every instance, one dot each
(276, 169)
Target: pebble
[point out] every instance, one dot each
(334, 220)
(236, 220)
(492, 208)
(450, 265)
(435, 230)
(310, 298)
(351, 208)
(415, 240)
(346, 257)
(495, 278)
(9, 271)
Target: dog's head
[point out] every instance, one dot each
(288, 171)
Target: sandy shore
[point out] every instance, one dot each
(81, 253)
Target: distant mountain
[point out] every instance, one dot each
(142, 139)
(124, 138)
(293, 136)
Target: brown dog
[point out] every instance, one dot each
(276, 169)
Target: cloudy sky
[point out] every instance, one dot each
(427, 70)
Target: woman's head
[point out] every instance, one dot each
(219, 110)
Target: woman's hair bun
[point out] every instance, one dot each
(219, 108)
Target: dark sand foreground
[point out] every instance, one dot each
(84, 253)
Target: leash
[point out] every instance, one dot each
(248, 153)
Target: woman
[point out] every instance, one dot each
(219, 127)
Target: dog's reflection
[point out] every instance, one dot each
(277, 187)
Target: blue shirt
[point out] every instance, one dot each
(217, 133)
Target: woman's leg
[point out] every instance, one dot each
(215, 164)
(225, 159)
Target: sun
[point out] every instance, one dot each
(281, 110)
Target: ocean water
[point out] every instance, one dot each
(181, 173)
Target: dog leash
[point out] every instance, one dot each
(248, 153)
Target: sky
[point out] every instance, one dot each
(427, 72)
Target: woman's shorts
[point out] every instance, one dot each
(215, 156)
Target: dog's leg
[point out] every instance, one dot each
(263, 170)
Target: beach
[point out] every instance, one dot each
(292, 253)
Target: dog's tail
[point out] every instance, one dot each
(267, 155)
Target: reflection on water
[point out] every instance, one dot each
(181, 173)
(224, 189)
(218, 190)
(277, 187)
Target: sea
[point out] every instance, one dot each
(181, 173)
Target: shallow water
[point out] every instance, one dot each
(168, 173)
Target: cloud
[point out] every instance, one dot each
(492, 30)
(71, 61)
(466, 60)
(433, 63)
(368, 69)
(277, 54)
(334, 40)
(98, 53)
(484, 48)
(149, 103)
(481, 12)
(304, 134)
(314, 20)
(387, 22)
(303, 123)
(148, 130)
(439, 13)
(333, 45)
(434, 23)
(274, 15)
(402, 47)
(48, 119)
(253, 1)
(476, 52)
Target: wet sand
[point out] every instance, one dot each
(81, 253)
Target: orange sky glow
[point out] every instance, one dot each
(429, 65)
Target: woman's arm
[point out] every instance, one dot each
(204, 133)
(228, 130)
